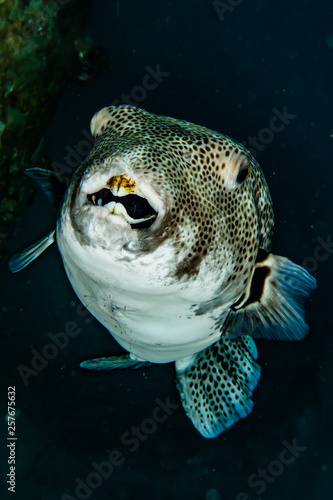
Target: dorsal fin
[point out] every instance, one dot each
(22, 259)
(49, 183)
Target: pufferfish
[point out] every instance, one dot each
(165, 233)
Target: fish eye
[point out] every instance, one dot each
(243, 173)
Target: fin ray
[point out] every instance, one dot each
(279, 312)
(49, 183)
(113, 363)
(22, 259)
(216, 384)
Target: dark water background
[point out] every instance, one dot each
(228, 75)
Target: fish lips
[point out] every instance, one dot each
(119, 208)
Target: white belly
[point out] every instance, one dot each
(158, 328)
(153, 321)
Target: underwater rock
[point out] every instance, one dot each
(38, 42)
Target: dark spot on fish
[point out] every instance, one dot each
(262, 255)
(239, 301)
(189, 267)
(257, 285)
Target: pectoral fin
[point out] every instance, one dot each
(54, 189)
(113, 362)
(49, 183)
(273, 305)
(22, 259)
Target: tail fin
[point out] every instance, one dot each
(216, 384)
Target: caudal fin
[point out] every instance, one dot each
(216, 384)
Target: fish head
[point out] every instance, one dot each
(184, 203)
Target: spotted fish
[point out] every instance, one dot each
(165, 233)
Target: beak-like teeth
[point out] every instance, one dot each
(122, 185)
(97, 201)
(119, 209)
(133, 207)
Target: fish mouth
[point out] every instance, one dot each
(122, 196)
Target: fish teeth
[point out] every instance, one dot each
(119, 209)
(123, 185)
(122, 191)
(111, 206)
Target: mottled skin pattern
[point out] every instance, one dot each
(180, 289)
(209, 216)
(216, 390)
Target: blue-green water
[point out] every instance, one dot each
(232, 72)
